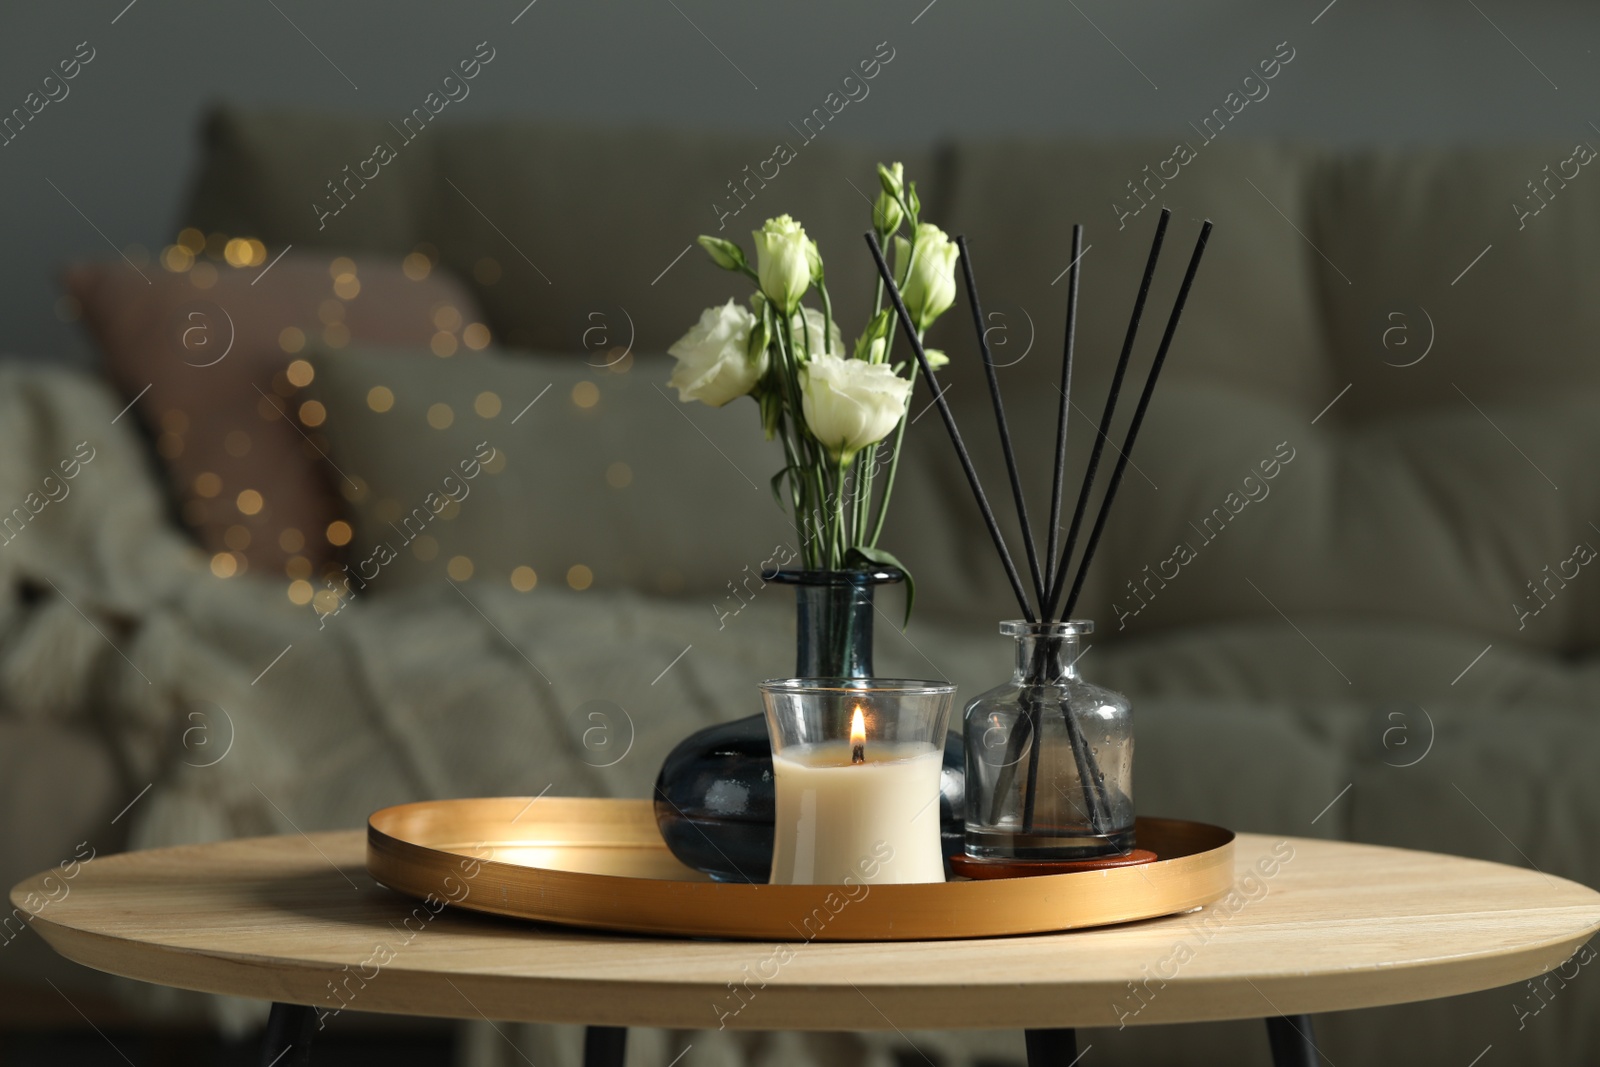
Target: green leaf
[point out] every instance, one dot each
(877, 329)
(884, 558)
(777, 494)
(760, 338)
(771, 408)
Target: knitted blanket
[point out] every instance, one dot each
(234, 712)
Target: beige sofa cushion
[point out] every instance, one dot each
(1251, 327)
(273, 173)
(645, 492)
(1253, 320)
(554, 224)
(605, 226)
(1431, 519)
(1520, 323)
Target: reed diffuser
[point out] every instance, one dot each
(1049, 756)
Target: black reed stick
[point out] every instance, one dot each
(1046, 646)
(1045, 649)
(1035, 719)
(1062, 415)
(1091, 780)
(1110, 409)
(1138, 418)
(950, 425)
(1000, 421)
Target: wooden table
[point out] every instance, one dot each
(297, 920)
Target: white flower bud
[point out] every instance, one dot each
(929, 288)
(724, 254)
(886, 211)
(783, 261)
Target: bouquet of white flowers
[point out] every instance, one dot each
(831, 409)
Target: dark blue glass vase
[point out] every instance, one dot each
(714, 796)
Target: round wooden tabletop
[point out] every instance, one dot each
(1311, 926)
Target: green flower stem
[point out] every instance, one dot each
(798, 480)
(793, 463)
(868, 460)
(864, 490)
(888, 338)
(838, 513)
(900, 430)
(812, 470)
(827, 320)
(894, 460)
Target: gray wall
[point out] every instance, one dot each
(121, 144)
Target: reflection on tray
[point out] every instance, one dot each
(625, 861)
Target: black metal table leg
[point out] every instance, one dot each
(604, 1046)
(1052, 1048)
(288, 1039)
(1290, 1037)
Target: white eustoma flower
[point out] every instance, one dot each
(850, 404)
(714, 366)
(783, 261)
(930, 288)
(813, 324)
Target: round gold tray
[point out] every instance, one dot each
(601, 864)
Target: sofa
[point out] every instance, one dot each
(1345, 584)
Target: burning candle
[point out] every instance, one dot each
(860, 806)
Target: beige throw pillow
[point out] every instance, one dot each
(207, 357)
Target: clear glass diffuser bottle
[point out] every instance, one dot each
(1049, 756)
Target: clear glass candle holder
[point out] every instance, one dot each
(856, 766)
(1049, 756)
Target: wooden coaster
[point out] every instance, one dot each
(971, 867)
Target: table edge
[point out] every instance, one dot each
(673, 1005)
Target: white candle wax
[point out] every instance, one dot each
(870, 822)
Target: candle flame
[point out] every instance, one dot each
(858, 728)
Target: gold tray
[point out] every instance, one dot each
(602, 864)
